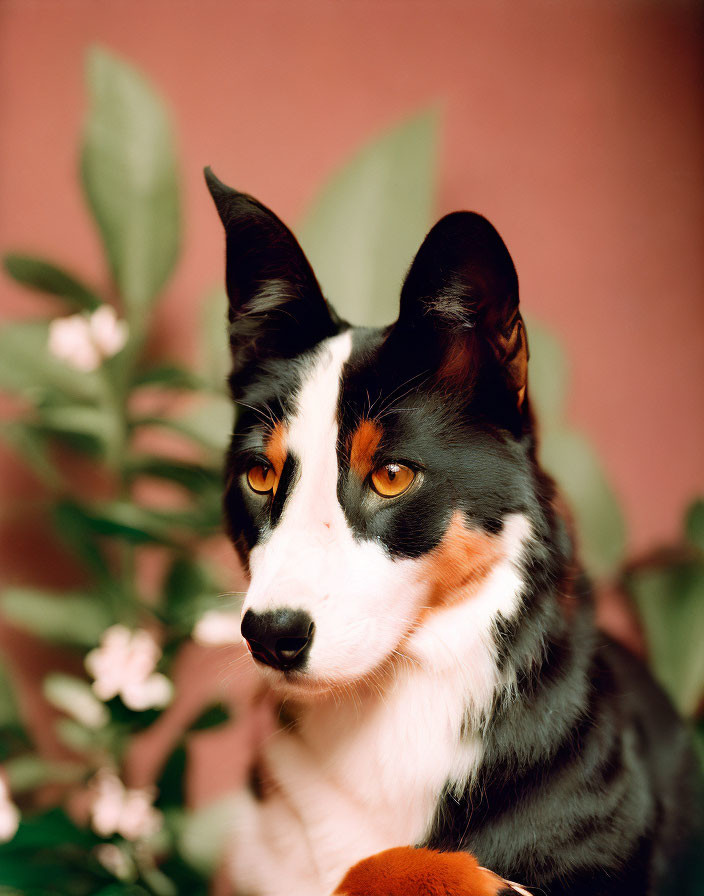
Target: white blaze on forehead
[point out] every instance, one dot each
(312, 433)
(311, 506)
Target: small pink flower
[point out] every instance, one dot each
(85, 341)
(218, 628)
(119, 810)
(124, 664)
(9, 813)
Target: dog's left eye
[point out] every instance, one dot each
(392, 480)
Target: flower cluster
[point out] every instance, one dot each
(124, 666)
(116, 809)
(84, 341)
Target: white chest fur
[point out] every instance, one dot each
(393, 751)
(363, 768)
(365, 774)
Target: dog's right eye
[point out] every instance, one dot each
(392, 480)
(261, 478)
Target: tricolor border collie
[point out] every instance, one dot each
(415, 590)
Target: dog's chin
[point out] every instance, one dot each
(305, 686)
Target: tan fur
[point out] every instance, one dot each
(459, 564)
(364, 443)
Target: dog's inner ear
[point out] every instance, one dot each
(276, 307)
(461, 295)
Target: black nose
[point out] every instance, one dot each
(279, 638)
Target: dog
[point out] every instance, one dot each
(416, 593)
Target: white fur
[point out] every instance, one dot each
(382, 734)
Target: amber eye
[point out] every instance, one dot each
(392, 479)
(261, 478)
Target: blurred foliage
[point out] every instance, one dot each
(89, 408)
(368, 221)
(668, 588)
(360, 234)
(128, 167)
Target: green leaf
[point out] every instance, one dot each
(36, 273)
(158, 882)
(601, 528)
(168, 376)
(9, 713)
(26, 773)
(128, 167)
(189, 881)
(50, 829)
(43, 874)
(124, 889)
(70, 618)
(188, 592)
(122, 519)
(196, 478)
(13, 741)
(75, 531)
(30, 445)
(27, 367)
(76, 698)
(140, 525)
(217, 714)
(548, 376)
(205, 833)
(365, 227)
(694, 524)
(98, 424)
(215, 350)
(171, 786)
(77, 737)
(208, 423)
(670, 602)
(699, 739)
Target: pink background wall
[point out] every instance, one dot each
(578, 128)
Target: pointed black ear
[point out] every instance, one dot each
(463, 286)
(276, 307)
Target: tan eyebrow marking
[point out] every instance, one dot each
(276, 449)
(364, 443)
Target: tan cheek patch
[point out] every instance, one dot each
(459, 565)
(363, 446)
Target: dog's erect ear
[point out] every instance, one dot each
(463, 285)
(276, 307)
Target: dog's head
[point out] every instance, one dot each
(378, 480)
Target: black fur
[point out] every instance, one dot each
(587, 781)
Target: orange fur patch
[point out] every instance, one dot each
(460, 563)
(365, 441)
(276, 450)
(405, 871)
(276, 447)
